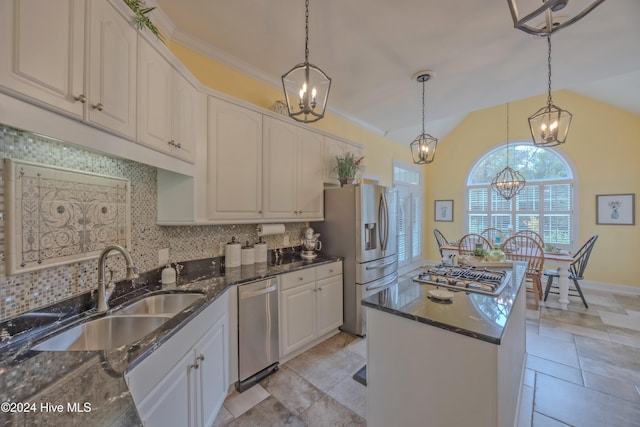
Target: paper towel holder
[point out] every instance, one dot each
(269, 229)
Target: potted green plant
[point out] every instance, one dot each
(347, 167)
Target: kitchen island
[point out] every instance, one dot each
(445, 363)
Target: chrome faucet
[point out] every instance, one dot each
(105, 291)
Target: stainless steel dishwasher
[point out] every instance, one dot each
(258, 337)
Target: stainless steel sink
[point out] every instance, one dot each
(160, 304)
(103, 334)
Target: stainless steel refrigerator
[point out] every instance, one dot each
(360, 226)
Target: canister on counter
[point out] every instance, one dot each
(261, 251)
(248, 254)
(232, 255)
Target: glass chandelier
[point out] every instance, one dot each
(508, 182)
(423, 148)
(527, 21)
(306, 87)
(550, 124)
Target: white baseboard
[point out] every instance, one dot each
(610, 287)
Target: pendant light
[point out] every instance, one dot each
(508, 182)
(423, 148)
(306, 87)
(551, 23)
(550, 124)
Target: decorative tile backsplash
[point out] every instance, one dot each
(26, 291)
(55, 216)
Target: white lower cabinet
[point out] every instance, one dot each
(310, 305)
(191, 391)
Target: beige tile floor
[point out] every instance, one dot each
(582, 369)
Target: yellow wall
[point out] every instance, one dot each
(379, 151)
(604, 146)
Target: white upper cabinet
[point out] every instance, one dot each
(293, 172)
(234, 163)
(167, 106)
(112, 70)
(42, 50)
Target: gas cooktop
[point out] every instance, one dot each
(466, 278)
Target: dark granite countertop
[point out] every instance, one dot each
(38, 378)
(475, 315)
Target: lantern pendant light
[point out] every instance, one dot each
(423, 148)
(508, 182)
(550, 124)
(525, 21)
(306, 87)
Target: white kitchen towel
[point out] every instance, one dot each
(269, 229)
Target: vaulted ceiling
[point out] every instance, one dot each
(372, 48)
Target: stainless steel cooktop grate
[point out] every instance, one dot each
(466, 278)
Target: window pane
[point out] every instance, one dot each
(501, 222)
(416, 227)
(528, 199)
(403, 221)
(499, 203)
(477, 223)
(557, 197)
(478, 199)
(557, 229)
(527, 222)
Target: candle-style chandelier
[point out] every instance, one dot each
(306, 87)
(550, 124)
(423, 148)
(508, 182)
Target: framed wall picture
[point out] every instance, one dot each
(615, 209)
(443, 210)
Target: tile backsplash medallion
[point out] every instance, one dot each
(24, 292)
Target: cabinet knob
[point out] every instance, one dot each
(178, 145)
(98, 106)
(172, 143)
(300, 278)
(259, 212)
(200, 358)
(319, 289)
(330, 270)
(80, 98)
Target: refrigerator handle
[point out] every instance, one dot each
(381, 219)
(385, 208)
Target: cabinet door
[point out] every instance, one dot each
(154, 102)
(329, 304)
(235, 162)
(188, 124)
(298, 314)
(310, 179)
(212, 373)
(112, 70)
(42, 46)
(280, 141)
(173, 401)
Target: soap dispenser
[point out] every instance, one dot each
(168, 275)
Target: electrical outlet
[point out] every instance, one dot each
(286, 240)
(163, 256)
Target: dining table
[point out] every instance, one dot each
(560, 260)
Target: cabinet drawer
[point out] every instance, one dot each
(297, 278)
(328, 270)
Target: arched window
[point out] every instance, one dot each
(545, 205)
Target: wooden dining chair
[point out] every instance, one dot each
(534, 235)
(491, 233)
(467, 244)
(441, 240)
(576, 270)
(524, 248)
